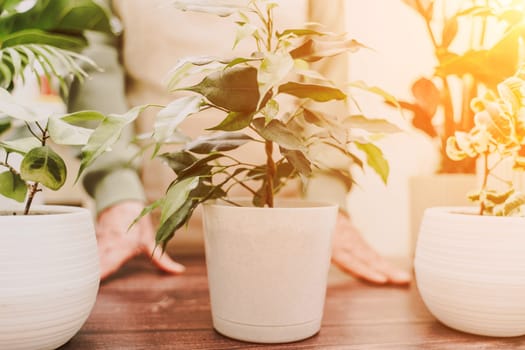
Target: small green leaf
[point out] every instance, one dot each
(374, 125)
(21, 146)
(105, 136)
(375, 159)
(314, 50)
(221, 141)
(176, 196)
(233, 89)
(45, 166)
(375, 90)
(63, 133)
(169, 118)
(234, 121)
(167, 229)
(319, 93)
(274, 68)
(83, 117)
(12, 186)
(198, 168)
(29, 36)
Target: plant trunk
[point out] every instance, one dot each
(270, 174)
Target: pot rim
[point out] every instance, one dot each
(281, 204)
(41, 210)
(470, 212)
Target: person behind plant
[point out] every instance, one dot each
(155, 36)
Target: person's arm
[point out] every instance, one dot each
(113, 180)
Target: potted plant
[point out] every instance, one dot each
(469, 263)
(476, 45)
(49, 272)
(267, 259)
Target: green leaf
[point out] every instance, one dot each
(299, 161)
(192, 66)
(375, 90)
(221, 141)
(279, 133)
(299, 32)
(319, 93)
(21, 146)
(63, 133)
(83, 117)
(5, 124)
(176, 196)
(167, 229)
(31, 36)
(105, 136)
(12, 186)
(233, 89)
(198, 168)
(169, 118)
(234, 121)
(221, 8)
(45, 166)
(274, 68)
(374, 125)
(375, 159)
(314, 50)
(12, 108)
(178, 161)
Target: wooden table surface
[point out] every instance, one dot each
(140, 308)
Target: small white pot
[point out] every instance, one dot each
(470, 270)
(267, 268)
(49, 276)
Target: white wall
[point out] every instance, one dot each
(402, 53)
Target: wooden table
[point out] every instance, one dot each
(140, 308)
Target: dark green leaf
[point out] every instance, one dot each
(299, 161)
(198, 168)
(5, 124)
(234, 89)
(234, 121)
(319, 93)
(179, 160)
(45, 166)
(12, 186)
(221, 141)
(375, 159)
(279, 133)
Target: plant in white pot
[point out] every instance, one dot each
(469, 262)
(267, 259)
(49, 273)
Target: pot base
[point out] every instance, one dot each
(264, 333)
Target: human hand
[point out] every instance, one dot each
(352, 254)
(117, 244)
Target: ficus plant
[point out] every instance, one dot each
(498, 136)
(248, 91)
(42, 38)
(476, 45)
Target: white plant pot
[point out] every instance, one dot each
(49, 276)
(470, 270)
(267, 268)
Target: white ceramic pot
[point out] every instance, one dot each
(470, 270)
(267, 268)
(49, 276)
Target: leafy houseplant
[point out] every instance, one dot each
(48, 289)
(476, 46)
(274, 255)
(468, 253)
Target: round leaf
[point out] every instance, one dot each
(45, 166)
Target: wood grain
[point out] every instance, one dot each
(140, 308)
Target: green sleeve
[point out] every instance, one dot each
(114, 176)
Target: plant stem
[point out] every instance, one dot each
(9, 167)
(485, 173)
(33, 189)
(270, 173)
